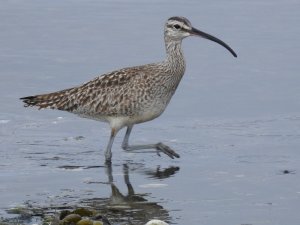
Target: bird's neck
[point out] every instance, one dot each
(175, 59)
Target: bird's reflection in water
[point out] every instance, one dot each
(161, 173)
(132, 208)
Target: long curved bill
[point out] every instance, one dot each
(197, 32)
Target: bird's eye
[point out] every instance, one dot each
(176, 26)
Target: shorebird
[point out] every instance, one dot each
(132, 95)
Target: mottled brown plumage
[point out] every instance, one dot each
(130, 95)
(125, 92)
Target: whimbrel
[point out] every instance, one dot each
(130, 95)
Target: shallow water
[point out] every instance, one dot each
(234, 122)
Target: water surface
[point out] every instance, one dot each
(235, 122)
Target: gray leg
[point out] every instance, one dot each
(108, 153)
(108, 170)
(125, 143)
(160, 147)
(127, 182)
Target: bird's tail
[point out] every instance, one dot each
(56, 100)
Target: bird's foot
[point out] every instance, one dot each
(160, 147)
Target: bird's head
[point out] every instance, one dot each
(178, 28)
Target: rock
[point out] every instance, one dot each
(63, 214)
(71, 219)
(83, 212)
(97, 223)
(85, 222)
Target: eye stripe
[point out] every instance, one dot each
(180, 19)
(182, 26)
(183, 20)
